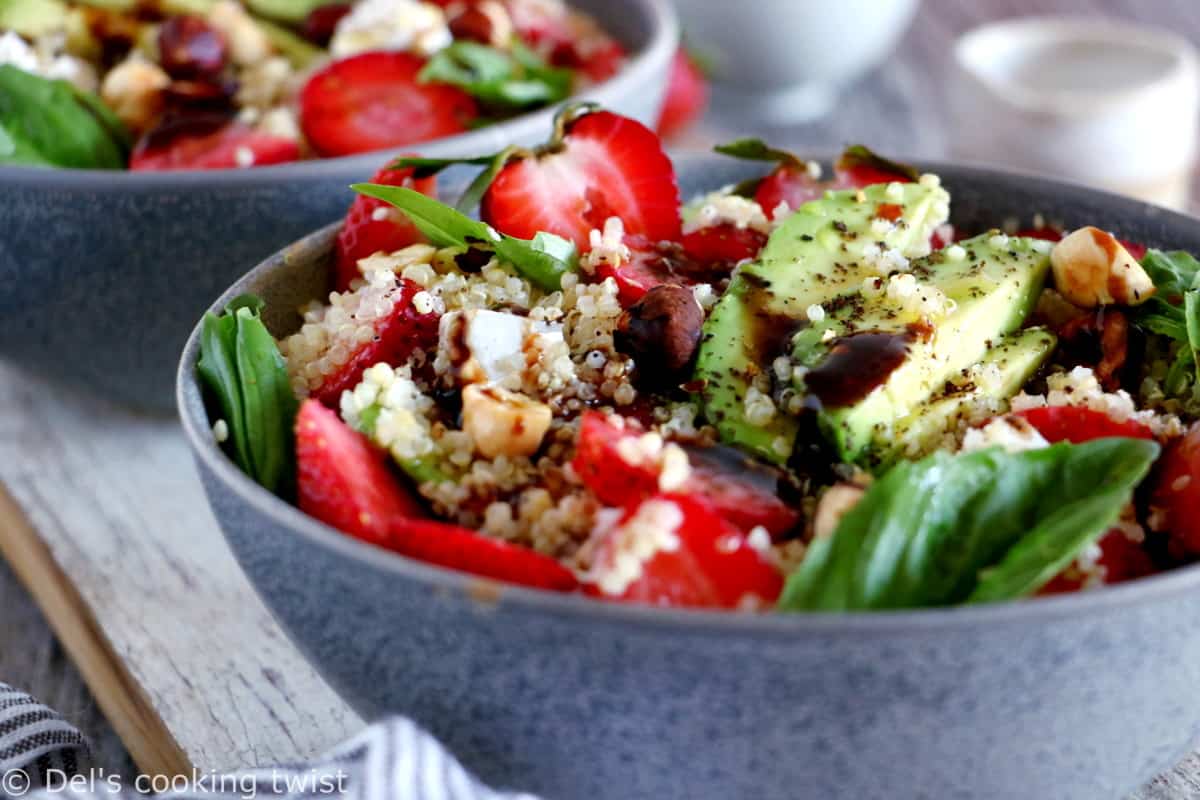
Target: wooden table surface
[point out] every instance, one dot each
(899, 109)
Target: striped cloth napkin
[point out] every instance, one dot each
(390, 760)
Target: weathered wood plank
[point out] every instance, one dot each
(181, 648)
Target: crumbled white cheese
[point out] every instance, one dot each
(391, 25)
(1012, 433)
(15, 52)
(500, 346)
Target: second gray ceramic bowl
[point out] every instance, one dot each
(105, 272)
(1080, 697)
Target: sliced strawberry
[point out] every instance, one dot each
(209, 141)
(682, 554)
(599, 165)
(397, 336)
(653, 264)
(1122, 560)
(737, 489)
(374, 101)
(367, 230)
(723, 244)
(687, 96)
(787, 183)
(342, 480)
(462, 549)
(1076, 424)
(1177, 491)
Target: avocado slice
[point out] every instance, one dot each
(1005, 368)
(821, 252)
(32, 18)
(296, 49)
(881, 354)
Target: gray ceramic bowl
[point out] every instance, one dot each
(1082, 696)
(105, 272)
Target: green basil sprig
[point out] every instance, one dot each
(975, 527)
(241, 364)
(543, 259)
(51, 123)
(1174, 312)
(500, 79)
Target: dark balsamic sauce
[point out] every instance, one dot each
(856, 364)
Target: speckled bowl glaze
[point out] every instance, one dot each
(105, 272)
(1077, 697)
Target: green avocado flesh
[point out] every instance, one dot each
(876, 360)
(885, 359)
(999, 375)
(813, 256)
(32, 18)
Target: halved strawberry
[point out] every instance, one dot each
(723, 244)
(209, 141)
(459, 548)
(673, 550)
(788, 183)
(736, 488)
(342, 480)
(598, 165)
(345, 482)
(368, 230)
(687, 96)
(374, 101)
(397, 336)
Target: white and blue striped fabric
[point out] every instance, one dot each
(390, 760)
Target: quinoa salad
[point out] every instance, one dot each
(210, 84)
(800, 392)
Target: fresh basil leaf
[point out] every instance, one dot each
(441, 224)
(751, 149)
(544, 260)
(46, 123)
(1174, 311)
(857, 155)
(268, 401)
(218, 369)
(974, 527)
(497, 78)
(1095, 481)
(243, 368)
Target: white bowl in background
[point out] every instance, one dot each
(785, 60)
(1109, 103)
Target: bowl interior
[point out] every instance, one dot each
(980, 199)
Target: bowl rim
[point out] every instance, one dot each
(662, 39)
(771, 624)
